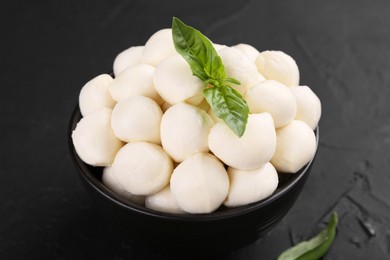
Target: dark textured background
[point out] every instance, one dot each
(49, 49)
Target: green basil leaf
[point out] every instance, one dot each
(232, 80)
(198, 51)
(228, 105)
(315, 247)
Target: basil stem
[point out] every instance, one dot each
(315, 247)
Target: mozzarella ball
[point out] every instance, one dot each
(137, 118)
(238, 66)
(250, 151)
(94, 140)
(142, 168)
(275, 98)
(278, 66)
(108, 179)
(163, 201)
(248, 50)
(296, 146)
(217, 46)
(94, 95)
(127, 58)
(200, 184)
(184, 131)
(158, 47)
(136, 80)
(251, 186)
(308, 105)
(175, 83)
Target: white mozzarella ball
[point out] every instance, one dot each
(108, 179)
(248, 50)
(296, 146)
(127, 58)
(250, 151)
(94, 140)
(308, 105)
(184, 131)
(218, 47)
(200, 184)
(158, 47)
(275, 98)
(142, 168)
(137, 118)
(95, 95)
(175, 83)
(163, 201)
(238, 66)
(251, 186)
(278, 66)
(136, 80)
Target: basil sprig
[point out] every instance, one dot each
(205, 64)
(315, 247)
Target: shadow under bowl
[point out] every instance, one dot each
(223, 230)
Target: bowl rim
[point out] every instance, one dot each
(97, 185)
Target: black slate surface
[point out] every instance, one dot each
(49, 49)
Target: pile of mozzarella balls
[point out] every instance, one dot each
(161, 145)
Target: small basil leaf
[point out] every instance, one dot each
(198, 51)
(228, 105)
(232, 80)
(315, 247)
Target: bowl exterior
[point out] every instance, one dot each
(219, 235)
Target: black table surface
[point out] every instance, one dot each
(50, 49)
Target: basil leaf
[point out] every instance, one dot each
(315, 247)
(198, 51)
(228, 105)
(232, 80)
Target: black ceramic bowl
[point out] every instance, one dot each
(222, 230)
